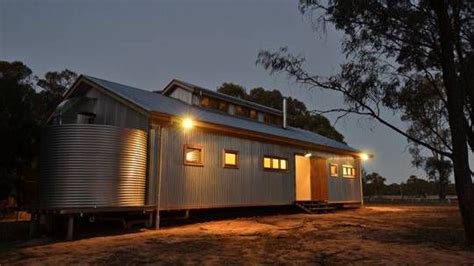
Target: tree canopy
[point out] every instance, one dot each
(402, 56)
(298, 114)
(25, 103)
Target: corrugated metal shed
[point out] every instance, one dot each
(155, 102)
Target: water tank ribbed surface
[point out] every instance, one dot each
(88, 165)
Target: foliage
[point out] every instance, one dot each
(298, 114)
(23, 109)
(374, 185)
(233, 90)
(395, 48)
(18, 125)
(439, 171)
(53, 86)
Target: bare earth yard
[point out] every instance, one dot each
(383, 234)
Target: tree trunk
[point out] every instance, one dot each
(455, 97)
(442, 191)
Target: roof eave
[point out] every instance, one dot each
(256, 135)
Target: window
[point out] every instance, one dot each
(242, 111)
(223, 106)
(205, 101)
(231, 159)
(348, 171)
(215, 104)
(254, 114)
(267, 162)
(275, 163)
(273, 119)
(193, 155)
(334, 169)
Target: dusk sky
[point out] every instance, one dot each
(147, 43)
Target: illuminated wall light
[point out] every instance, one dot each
(364, 156)
(188, 123)
(308, 154)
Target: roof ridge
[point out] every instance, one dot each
(109, 81)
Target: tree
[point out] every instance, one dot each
(388, 46)
(298, 114)
(23, 110)
(53, 86)
(233, 90)
(423, 108)
(18, 126)
(393, 189)
(417, 187)
(377, 182)
(438, 171)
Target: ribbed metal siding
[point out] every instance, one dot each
(108, 112)
(212, 185)
(344, 189)
(86, 165)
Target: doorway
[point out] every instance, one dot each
(302, 178)
(311, 179)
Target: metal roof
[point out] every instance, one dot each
(156, 102)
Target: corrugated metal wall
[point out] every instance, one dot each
(87, 165)
(183, 95)
(153, 164)
(108, 112)
(214, 186)
(344, 189)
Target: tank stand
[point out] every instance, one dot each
(70, 227)
(34, 224)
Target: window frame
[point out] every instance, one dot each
(193, 147)
(237, 159)
(271, 169)
(349, 167)
(337, 170)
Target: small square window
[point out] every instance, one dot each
(231, 159)
(193, 155)
(283, 164)
(334, 171)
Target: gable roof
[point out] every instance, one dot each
(235, 100)
(156, 102)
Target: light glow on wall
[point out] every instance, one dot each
(187, 123)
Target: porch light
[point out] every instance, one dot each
(308, 154)
(364, 156)
(187, 123)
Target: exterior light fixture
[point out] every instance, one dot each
(187, 123)
(364, 156)
(308, 154)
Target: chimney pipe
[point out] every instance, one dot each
(284, 112)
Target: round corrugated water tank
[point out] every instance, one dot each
(91, 165)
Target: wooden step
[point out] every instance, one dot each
(314, 207)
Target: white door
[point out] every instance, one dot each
(302, 178)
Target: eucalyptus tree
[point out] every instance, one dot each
(389, 46)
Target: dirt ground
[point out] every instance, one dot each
(377, 234)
